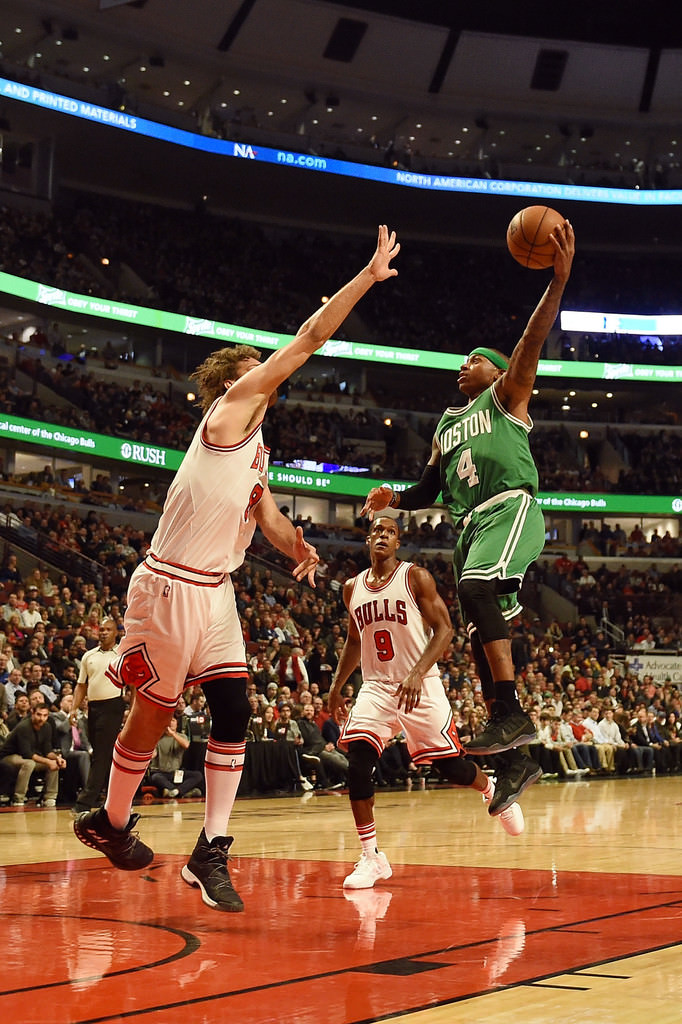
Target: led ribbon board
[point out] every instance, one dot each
(125, 121)
(103, 446)
(222, 333)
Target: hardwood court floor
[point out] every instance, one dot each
(577, 920)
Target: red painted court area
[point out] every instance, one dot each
(85, 943)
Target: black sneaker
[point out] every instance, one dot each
(516, 773)
(121, 846)
(207, 868)
(503, 733)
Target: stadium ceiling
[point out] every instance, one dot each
(583, 89)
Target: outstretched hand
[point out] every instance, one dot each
(387, 248)
(377, 499)
(307, 558)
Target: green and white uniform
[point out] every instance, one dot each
(489, 481)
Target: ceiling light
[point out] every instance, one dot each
(106, 57)
(187, 82)
(86, 69)
(374, 117)
(165, 92)
(143, 67)
(236, 92)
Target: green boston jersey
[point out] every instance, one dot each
(484, 451)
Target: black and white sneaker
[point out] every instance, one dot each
(122, 846)
(207, 868)
(502, 733)
(515, 774)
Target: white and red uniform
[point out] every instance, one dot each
(393, 636)
(182, 626)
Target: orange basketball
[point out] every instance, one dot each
(528, 236)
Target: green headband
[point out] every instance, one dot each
(495, 358)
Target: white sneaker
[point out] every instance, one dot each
(511, 820)
(306, 784)
(369, 869)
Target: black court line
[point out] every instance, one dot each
(340, 972)
(562, 988)
(592, 974)
(192, 945)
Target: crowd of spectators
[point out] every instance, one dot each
(194, 263)
(294, 635)
(654, 464)
(353, 433)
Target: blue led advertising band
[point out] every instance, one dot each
(389, 175)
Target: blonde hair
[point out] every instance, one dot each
(216, 369)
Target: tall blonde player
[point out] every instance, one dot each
(398, 627)
(182, 625)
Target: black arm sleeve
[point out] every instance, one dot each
(423, 494)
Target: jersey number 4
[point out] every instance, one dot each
(466, 468)
(384, 645)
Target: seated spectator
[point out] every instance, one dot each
(72, 740)
(166, 771)
(21, 709)
(331, 764)
(29, 749)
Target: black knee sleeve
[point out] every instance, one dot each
(229, 707)
(459, 770)
(478, 599)
(362, 759)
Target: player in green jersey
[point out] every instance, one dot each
(481, 461)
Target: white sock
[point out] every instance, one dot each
(368, 838)
(128, 768)
(223, 769)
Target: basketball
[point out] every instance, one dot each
(528, 236)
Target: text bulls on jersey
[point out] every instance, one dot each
(379, 610)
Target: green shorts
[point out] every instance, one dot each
(499, 543)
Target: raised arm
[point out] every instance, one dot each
(515, 387)
(255, 387)
(288, 539)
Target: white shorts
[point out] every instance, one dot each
(429, 728)
(181, 629)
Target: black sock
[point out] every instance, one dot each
(506, 698)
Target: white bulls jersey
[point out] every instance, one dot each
(207, 520)
(392, 631)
